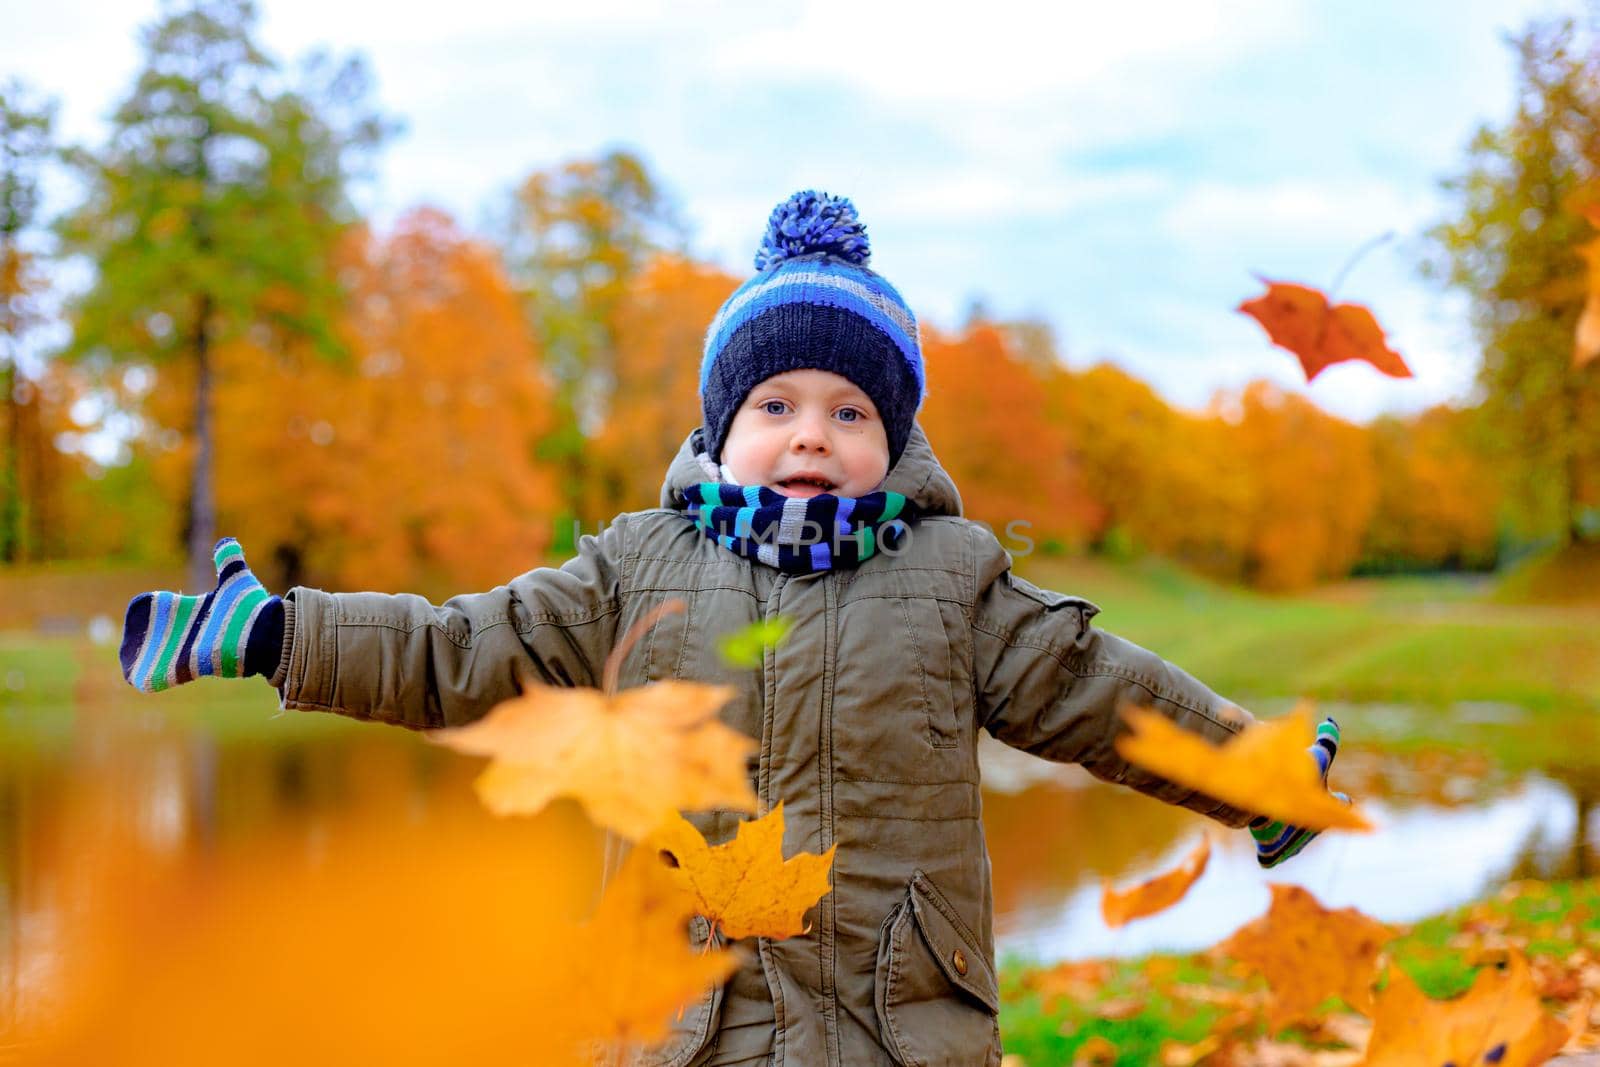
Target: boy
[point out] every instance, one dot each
(807, 491)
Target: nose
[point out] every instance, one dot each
(811, 434)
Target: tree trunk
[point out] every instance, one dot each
(11, 478)
(203, 518)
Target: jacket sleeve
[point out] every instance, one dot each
(399, 659)
(1051, 684)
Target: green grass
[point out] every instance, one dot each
(1431, 642)
(47, 682)
(1422, 641)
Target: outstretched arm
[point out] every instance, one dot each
(399, 659)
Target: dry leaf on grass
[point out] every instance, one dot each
(1498, 1021)
(1308, 953)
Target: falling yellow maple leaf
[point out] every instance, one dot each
(1498, 1021)
(1308, 953)
(746, 887)
(1263, 770)
(1156, 894)
(632, 759)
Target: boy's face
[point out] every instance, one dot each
(808, 422)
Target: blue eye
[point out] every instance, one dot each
(770, 404)
(855, 416)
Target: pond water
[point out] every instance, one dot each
(1452, 825)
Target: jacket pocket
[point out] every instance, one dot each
(935, 991)
(691, 1031)
(930, 628)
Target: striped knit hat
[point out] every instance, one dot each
(813, 304)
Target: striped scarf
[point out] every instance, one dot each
(799, 535)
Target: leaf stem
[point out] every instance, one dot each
(629, 639)
(1338, 279)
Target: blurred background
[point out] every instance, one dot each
(408, 299)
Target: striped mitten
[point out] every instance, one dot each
(1277, 841)
(233, 631)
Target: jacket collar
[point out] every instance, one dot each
(918, 476)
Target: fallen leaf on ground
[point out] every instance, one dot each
(1299, 318)
(1095, 1052)
(1263, 769)
(1119, 907)
(1308, 953)
(1072, 980)
(632, 759)
(1498, 1021)
(1117, 1008)
(1176, 1054)
(746, 887)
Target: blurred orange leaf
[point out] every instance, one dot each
(633, 759)
(1097, 1051)
(1308, 953)
(1498, 1021)
(631, 965)
(1299, 318)
(1264, 770)
(1156, 894)
(746, 886)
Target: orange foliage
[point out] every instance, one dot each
(1437, 497)
(1168, 479)
(411, 467)
(987, 423)
(661, 325)
(1313, 488)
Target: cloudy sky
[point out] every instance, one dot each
(1122, 171)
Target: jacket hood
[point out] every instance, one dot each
(918, 476)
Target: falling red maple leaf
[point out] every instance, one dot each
(1299, 318)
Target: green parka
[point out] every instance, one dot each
(867, 715)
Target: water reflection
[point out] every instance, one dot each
(1453, 825)
(1423, 859)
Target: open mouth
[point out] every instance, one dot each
(806, 482)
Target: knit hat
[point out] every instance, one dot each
(813, 304)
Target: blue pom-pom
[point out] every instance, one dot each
(810, 222)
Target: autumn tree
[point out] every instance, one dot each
(1312, 488)
(413, 465)
(25, 146)
(575, 238)
(985, 420)
(1511, 246)
(660, 331)
(1437, 497)
(1166, 480)
(211, 212)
